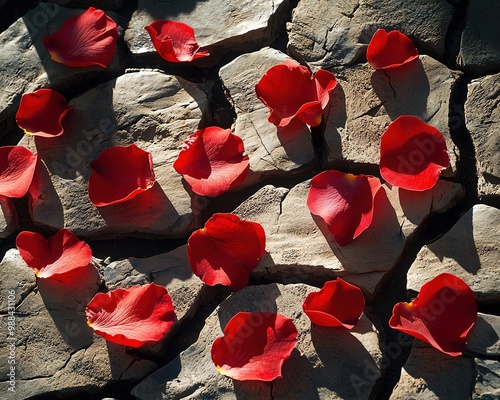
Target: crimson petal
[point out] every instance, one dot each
(60, 254)
(226, 250)
(290, 91)
(17, 167)
(390, 50)
(175, 41)
(338, 303)
(412, 154)
(344, 202)
(84, 40)
(442, 314)
(254, 346)
(41, 113)
(212, 161)
(132, 317)
(119, 174)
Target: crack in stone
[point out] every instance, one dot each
(390, 83)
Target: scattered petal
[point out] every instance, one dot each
(41, 113)
(226, 250)
(442, 314)
(338, 303)
(212, 161)
(119, 174)
(344, 202)
(412, 154)
(132, 317)
(290, 91)
(17, 166)
(58, 255)
(254, 346)
(175, 41)
(390, 50)
(85, 40)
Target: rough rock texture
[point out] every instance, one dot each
(479, 49)
(328, 34)
(469, 250)
(326, 363)
(272, 151)
(430, 374)
(25, 64)
(482, 116)
(299, 247)
(9, 222)
(54, 347)
(154, 110)
(219, 25)
(366, 101)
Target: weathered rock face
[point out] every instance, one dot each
(300, 248)
(273, 151)
(483, 122)
(328, 34)
(318, 367)
(469, 250)
(155, 111)
(9, 222)
(366, 101)
(219, 25)
(479, 50)
(25, 64)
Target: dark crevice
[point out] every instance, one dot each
(12, 10)
(281, 42)
(454, 34)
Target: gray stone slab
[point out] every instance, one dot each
(9, 221)
(488, 380)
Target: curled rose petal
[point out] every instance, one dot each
(58, 255)
(442, 314)
(290, 91)
(412, 154)
(85, 40)
(175, 41)
(254, 346)
(390, 50)
(132, 317)
(338, 303)
(17, 167)
(119, 174)
(226, 250)
(212, 161)
(41, 113)
(344, 202)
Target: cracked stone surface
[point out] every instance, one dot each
(469, 250)
(319, 357)
(366, 101)
(154, 110)
(479, 49)
(219, 26)
(327, 34)
(273, 151)
(300, 247)
(26, 66)
(482, 116)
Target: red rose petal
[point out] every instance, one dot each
(390, 50)
(442, 314)
(344, 202)
(85, 40)
(338, 303)
(60, 254)
(226, 250)
(290, 91)
(41, 113)
(119, 174)
(17, 166)
(212, 161)
(132, 317)
(254, 346)
(175, 41)
(412, 154)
